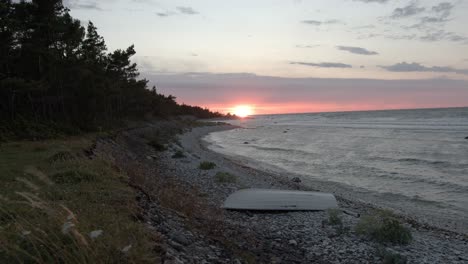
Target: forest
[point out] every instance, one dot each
(57, 76)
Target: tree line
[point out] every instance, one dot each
(56, 74)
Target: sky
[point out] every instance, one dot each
(286, 56)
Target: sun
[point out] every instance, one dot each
(243, 110)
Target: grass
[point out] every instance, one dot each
(224, 177)
(178, 155)
(157, 145)
(206, 165)
(390, 257)
(57, 206)
(383, 227)
(61, 156)
(335, 219)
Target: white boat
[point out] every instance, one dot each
(280, 200)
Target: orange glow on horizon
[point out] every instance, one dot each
(243, 110)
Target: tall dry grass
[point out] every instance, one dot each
(68, 210)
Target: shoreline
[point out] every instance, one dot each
(346, 194)
(197, 228)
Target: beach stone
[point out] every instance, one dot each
(280, 237)
(179, 238)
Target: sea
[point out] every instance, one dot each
(411, 161)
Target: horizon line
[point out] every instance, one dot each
(369, 110)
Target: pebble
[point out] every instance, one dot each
(263, 235)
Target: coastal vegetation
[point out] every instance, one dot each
(157, 145)
(206, 165)
(335, 219)
(384, 227)
(58, 77)
(225, 177)
(59, 206)
(391, 257)
(178, 155)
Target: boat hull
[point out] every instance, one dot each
(280, 200)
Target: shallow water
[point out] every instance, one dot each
(414, 157)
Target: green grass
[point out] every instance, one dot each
(157, 145)
(206, 165)
(178, 155)
(390, 257)
(52, 198)
(224, 177)
(383, 227)
(334, 217)
(61, 156)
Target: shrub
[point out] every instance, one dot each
(157, 145)
(224, 177)
(334, 217)
(391, 257)
(74, 176)
(206, 165)
(61, 156)
(178, 155)
(383, 227)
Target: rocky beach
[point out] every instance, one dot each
(182, 203)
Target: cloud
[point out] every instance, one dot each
(281, 94)
(368, 36)
(441, 12)
(307, 46)
(416, 67)
(428, 36)
(373, 1)
(407, 11)
(187, 10)
(401, 37)
(319, 23)
(164, 14)
(77, 4)
(357, 50)
(181, 10)
(323, 64)
(444, 35)
(445, 8)
(364, 27)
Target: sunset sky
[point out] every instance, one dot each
(285, 56)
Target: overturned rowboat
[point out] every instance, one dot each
(279, 200)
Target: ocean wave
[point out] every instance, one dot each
(421, 161)
(424, 161)
(414, 198)
(417, 180)
(279, 149)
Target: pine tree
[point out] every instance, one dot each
(94, 47)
